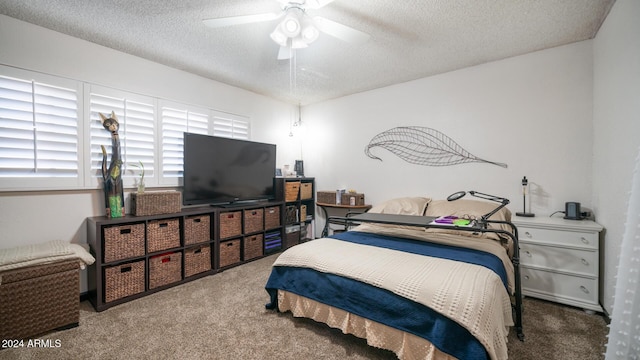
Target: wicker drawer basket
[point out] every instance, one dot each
(253, 220)
(303, 212)
(358, 199)
(326, 197)
(230, 224)
(229, 252)
(38, 299)
(197, 260)
(253, 247)
(163, 234)
(155, 203)
(197, 229)
(165, 269)
(306, 190)
(272, 217)
(123, 241)
(124, 280)
(292, 190)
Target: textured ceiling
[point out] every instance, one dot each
(410, 39)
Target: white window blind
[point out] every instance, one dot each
(176, 120)
(137, 128)
(39, 131)
(231, 126)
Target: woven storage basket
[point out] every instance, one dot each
(253, 247)
(303, 212)
(165, 269)
(123, 241)
(155, 203)
(272, 217)
(346, 199)
(123, 280)
(292, 238)
(291, 214)
(197, 229)
(326, 197)
(292, 189)
(230, 224)
(38, 299)
(306, 190)
(163, 234)
(197, 260)
(229, 252)
(253, 220)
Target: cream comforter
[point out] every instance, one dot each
(471, 295)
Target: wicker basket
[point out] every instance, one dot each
(326, 197)
(292, 236)
(229, 252)
(38, 299)
(303, 212)
(230, 224)
(123, 280)
(253, 220)
(292, 189)
(253, 247)
(123, 241)
(291, 214)
(165, 269)
(197, 260)
(163, 234)
(155, 203)
(272, 217)
(197, 229)
(306, 190)
(358, 198)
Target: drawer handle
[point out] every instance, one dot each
(528, 253)
(584, 289)
(125, 231)
(584, 240)
(125, 269)
(527, 234)
(585, 262)
(197, 220)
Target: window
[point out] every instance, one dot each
(230, 125)
(136, 116)
(51, 133)
(39, 131)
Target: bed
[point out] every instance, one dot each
(423, 292)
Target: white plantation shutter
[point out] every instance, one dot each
(136, 132)
(231, 125)
(176, 120)
(39, 131)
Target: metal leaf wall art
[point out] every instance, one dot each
(423, 146)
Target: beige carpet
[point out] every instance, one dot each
(223, 317)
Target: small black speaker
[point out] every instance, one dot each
(299, 168)
(572, 211)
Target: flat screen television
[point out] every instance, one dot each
(219, 171)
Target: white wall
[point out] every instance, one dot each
(532, 112)
(33, 217)
(616, 118)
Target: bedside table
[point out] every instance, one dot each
(560, 260)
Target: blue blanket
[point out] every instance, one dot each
(381, 305)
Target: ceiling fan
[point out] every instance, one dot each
(297, 29)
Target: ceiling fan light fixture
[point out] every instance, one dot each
(309, 33)
(279, 37)
(290, 26)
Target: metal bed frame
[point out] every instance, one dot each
(479, 226)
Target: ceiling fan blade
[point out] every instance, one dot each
(284, 53)
(339, 31)
(242, 19)
(317, 4)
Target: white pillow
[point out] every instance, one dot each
(403, 206)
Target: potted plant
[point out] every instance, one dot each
(140, 165)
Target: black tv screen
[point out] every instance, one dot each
(220, 170)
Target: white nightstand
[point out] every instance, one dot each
(559, 260)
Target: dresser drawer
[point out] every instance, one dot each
(559, 286)
(559, 237)
(558, 258)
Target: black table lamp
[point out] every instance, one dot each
(483, 219)
(524, 212)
